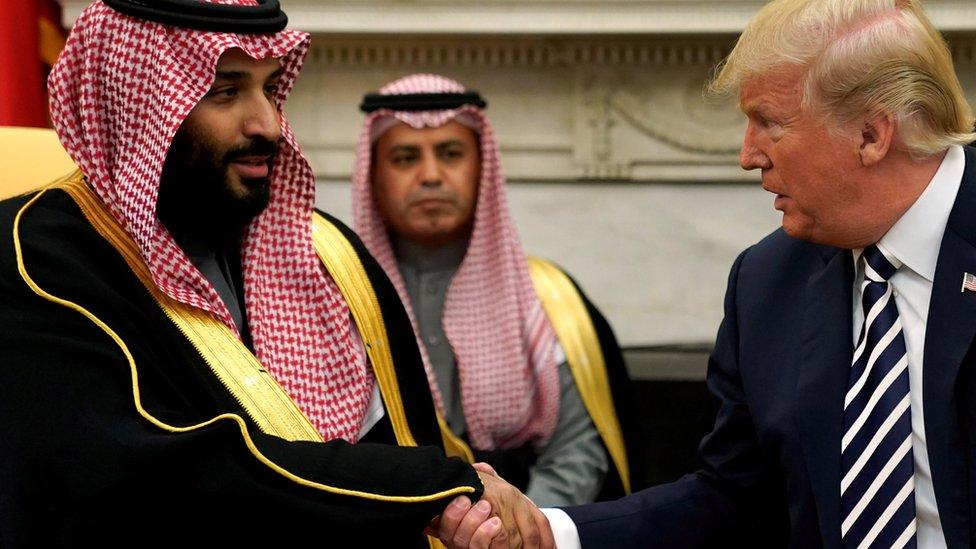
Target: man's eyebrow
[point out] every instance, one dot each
(233, 75)
(404, 148)
(450, 143)
(755, 108)
(244, 75)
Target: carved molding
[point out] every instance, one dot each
(492, 52)
(553, 17)
(611, 108)
(680, 116)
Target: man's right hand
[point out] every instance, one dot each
(504, 518)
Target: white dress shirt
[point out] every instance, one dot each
(915, 240)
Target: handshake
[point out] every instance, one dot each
(504, 517)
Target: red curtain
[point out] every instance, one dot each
(31, 37)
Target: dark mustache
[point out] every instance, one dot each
(256, 146)
(420, 196)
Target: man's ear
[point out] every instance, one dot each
(877, 136)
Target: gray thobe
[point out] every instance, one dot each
(215, 266)
(571, 468)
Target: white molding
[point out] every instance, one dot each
(548, 17)
(565, 108)
(494, 52)
(526, 51)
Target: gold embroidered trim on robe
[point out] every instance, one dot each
(342, 262)
(454, 446)
(574, 328)
(101, 220)
(231, 361)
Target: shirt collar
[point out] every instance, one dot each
(916, 238)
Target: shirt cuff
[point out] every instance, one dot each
(563, 529)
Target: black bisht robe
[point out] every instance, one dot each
(80, 467)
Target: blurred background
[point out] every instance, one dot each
(619, 169)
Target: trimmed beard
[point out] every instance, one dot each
(196, 200)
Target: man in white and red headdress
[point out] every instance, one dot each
(521, 366)
(189, 350)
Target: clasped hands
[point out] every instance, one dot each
(504, 517)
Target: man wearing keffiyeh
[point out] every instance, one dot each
(188, 347)
(511, 363)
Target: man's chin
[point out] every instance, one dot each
(796, 229)
(256, 199)
(816, 234)
(433, 235)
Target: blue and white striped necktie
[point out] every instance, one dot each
(878, 484)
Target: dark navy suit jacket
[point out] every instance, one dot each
(770, 469)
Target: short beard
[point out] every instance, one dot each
(196, 201)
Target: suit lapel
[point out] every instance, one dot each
(950, 328)
(825, 352)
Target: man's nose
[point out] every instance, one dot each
(752, 157)
(263, 120)
(748, 157)
(430, 171)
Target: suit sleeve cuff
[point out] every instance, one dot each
(563, 529)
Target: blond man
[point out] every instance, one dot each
(843, 366)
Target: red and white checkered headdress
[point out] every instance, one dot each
(502, 340)
(119, 92)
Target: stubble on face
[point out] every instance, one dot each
(435, 208)
(425, 182)
(199, 198)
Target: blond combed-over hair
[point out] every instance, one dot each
(859, 58)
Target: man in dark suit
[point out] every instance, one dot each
(843, 367)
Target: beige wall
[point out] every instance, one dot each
(619, 169)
